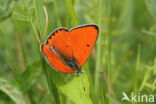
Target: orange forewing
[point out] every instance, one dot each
(76, 43)
(60, 39)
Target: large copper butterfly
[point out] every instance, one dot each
(67, 50)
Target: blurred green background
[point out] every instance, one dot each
(123, 59)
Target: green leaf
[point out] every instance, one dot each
(74, 86)
(11, 91)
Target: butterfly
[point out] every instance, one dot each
(67, 50)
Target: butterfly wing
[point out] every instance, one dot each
(83, 39)
(61, 40)
(76, 43)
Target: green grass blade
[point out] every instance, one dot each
(38, 4)
(52, 87)
(72, 86)
(72, 12)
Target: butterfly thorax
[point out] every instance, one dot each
(70, 62)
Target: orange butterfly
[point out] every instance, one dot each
(67, 50)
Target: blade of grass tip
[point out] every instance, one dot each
(147, 77)
(72, 12)
(38, 4)
(144, 81)
(46, 23)
(137, 70)
(98, 59)
(37, 39)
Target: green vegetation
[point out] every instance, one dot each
(123, 60)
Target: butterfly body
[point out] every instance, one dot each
(70, 62)
(67, 50)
